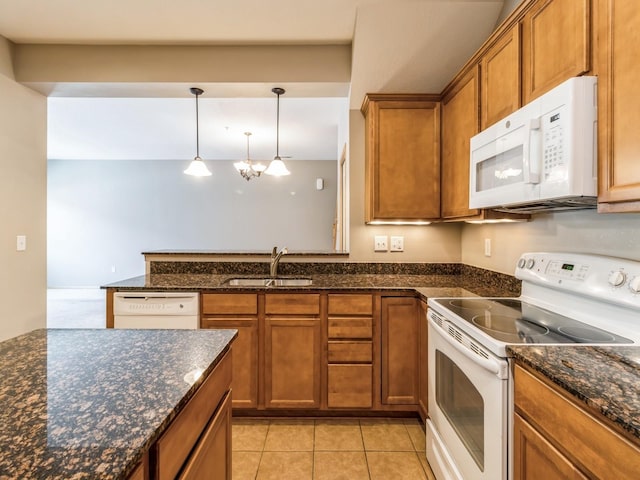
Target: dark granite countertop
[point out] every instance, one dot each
(604, 379)
(88, 403)
(425, 285)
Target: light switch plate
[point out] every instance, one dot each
(380, 243)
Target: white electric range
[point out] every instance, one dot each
(566, 299)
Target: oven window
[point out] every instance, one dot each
(462, 404)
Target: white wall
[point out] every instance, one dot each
(23, 172)
(583, 231)
(103, 214)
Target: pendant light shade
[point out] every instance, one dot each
(277, 168)
(197, 168)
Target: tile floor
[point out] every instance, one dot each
(76, 308)
(329, 449)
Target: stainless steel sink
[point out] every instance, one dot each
(269, 282)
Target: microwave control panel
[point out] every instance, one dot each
(553, 160)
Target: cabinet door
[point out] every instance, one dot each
(245, 358)
(500, 72)
(535, 458)
(618, 106)
(400, 334)
(292, 362)
(211, 458)
(459, 123)
(402, 159)
(556, 44)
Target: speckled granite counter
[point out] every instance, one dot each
(88, 403)
(425, 285)
(605, 379)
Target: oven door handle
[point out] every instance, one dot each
(489, 364)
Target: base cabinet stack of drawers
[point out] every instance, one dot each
(350, 351)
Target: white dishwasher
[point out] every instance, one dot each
(156, 310)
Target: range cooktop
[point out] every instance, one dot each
(514, 321)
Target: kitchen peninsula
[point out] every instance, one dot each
(110, 403)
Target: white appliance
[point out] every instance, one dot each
(541, 157)
(566, 299)
(179, 310)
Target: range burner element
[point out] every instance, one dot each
(509, 329)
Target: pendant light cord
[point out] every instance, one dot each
(197, 129)
(278, 127)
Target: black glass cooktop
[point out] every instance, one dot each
(513, 321)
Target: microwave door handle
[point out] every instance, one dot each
(529, 176)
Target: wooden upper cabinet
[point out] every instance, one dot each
(618, 106)
(402, 157)
(555, 44)
(500, 78)
(460, 122)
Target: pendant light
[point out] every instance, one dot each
(197, 168)
(277, 168)
(247, 168)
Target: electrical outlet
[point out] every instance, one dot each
(21, 243)
(487, 247)
(380, 243)
(113, 269)
(397, 244)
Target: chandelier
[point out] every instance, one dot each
(247, 168)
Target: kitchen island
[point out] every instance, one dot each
(100, 403)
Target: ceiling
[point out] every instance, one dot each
(397, 46)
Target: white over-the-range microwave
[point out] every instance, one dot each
(541, 157)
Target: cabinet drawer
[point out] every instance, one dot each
(582, 437)
(242, 303)
(349, 327)
(302, 304)
(350, 304)
(176, 443)
(350, 352)
(349, 386)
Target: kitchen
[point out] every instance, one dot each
(612, 234)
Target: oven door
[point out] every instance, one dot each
(468, 406)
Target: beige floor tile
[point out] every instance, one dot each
(285, 466)
(389, 435)
(418, 436)
(395, 465)
(340, 466)
(290, 435)
(248, 435)
(245, 465)
(426, 467)
(338, 435)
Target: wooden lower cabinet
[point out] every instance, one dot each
(237, 311)
(200, 432)
(211, 458)
(400, 356)
(292, 362)
(245, 358)
(350, 382)
(535, 458)
(556, 437)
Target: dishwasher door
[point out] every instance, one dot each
(179, 310)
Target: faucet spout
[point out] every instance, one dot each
(275, 260)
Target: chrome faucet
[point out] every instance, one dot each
(275, 260)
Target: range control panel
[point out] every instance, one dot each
(612, 279)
